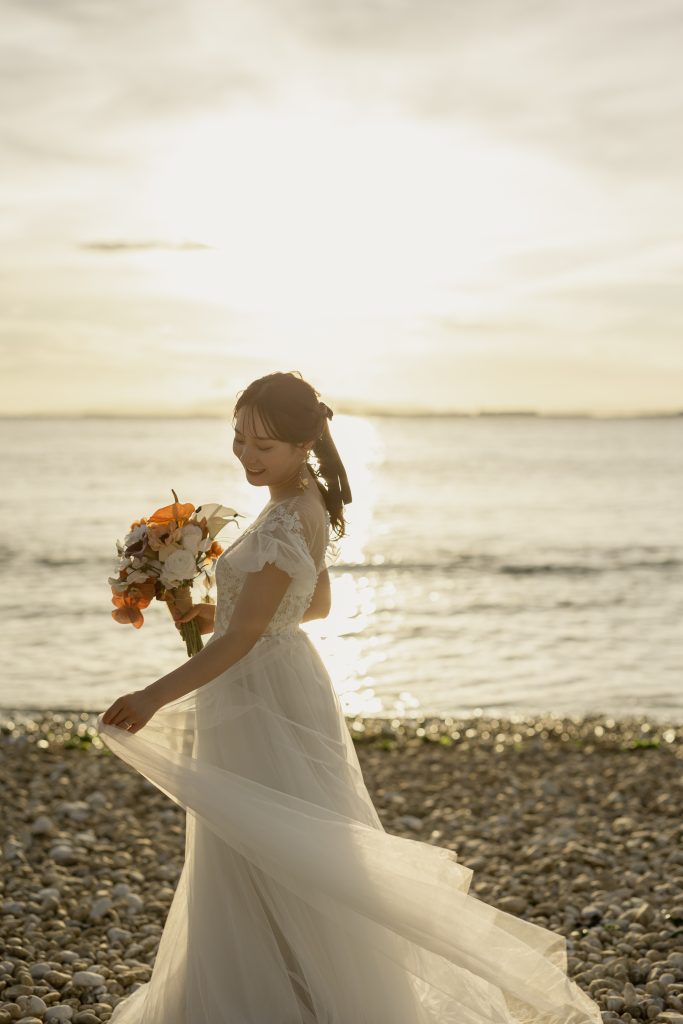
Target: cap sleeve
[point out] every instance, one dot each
(279, 540)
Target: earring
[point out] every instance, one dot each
(303, 479)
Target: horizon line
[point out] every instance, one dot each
(358, 411)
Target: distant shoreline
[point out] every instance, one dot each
(370, 413)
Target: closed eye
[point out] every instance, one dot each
(239, 441)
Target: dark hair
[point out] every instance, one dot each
(292, 411)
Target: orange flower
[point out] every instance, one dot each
(128, 605)
(215, 550)
(173, 515)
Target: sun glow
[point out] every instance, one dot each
(312, 210)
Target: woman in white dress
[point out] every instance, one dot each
(294, 906)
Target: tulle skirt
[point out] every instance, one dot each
(294, 906)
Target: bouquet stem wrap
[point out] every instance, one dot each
(182, 597)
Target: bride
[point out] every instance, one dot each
(294, 906)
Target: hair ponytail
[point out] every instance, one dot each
(331, 469)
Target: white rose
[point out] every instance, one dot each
(191, 537)
(180, 565)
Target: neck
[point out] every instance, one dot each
(289, 488)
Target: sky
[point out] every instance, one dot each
(420, 205)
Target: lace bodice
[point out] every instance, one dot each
(293, 533)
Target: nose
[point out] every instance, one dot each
(247, 463)
(242, 452)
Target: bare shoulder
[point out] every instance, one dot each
(310, 507)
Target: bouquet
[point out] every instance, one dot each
(160, 558)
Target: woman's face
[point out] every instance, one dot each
(266, 461)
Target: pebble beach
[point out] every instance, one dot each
(573, 823)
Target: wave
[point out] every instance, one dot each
(484, 564)
(569, 569)
(607, 561)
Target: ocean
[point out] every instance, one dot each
(493, 564)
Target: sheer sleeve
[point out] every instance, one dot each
(281, 539)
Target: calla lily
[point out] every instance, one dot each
(178, 512)
(216, 516)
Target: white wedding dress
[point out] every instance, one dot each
(294, 906)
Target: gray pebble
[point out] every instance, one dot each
(76, 810)
(512, 904)
(64, 854)
(43, 826)
(12, 907)
(99, 908)
(36, 1005)
(60, 1011)
(88, 979)
(56, 978)
(411, 822)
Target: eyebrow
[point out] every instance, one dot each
(257, 436)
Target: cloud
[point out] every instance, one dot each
(102, 83)
(599, 84)
(114, 246)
